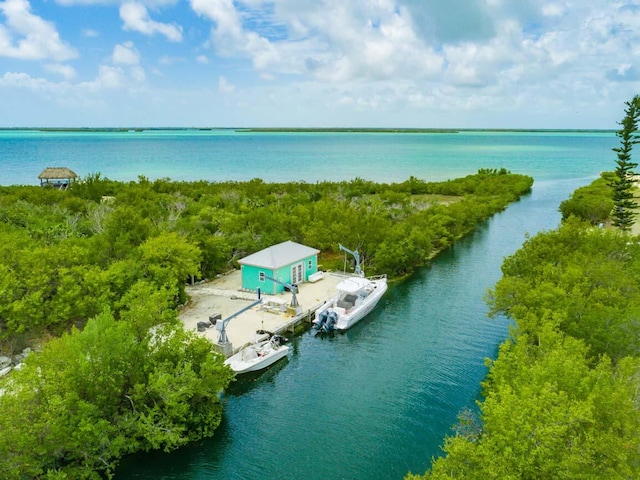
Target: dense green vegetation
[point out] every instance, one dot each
(561, 399)
(90, 397)
(101, 270)
(592, 203)
(65, 255)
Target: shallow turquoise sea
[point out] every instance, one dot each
(377, 401)
(219, 155)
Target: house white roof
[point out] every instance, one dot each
(279, 255)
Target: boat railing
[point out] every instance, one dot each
(378, 277)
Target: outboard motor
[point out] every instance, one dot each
(278, 340)
(329, 324)
(320, 321)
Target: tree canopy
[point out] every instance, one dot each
(593, 202)
(91, 396)
(66, 255)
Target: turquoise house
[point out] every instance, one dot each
(289, 262)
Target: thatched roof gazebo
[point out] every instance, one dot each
(58, 177)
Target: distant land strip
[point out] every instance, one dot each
(420, 130)
(305, 130)
(348, 130)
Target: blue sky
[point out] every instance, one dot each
(318, 63)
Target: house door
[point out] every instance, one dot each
(297, 273)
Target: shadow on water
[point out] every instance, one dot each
(174, 465)
(247, 381)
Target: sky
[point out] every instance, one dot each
(318, 63)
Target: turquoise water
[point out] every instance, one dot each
(377, 401)
(228, 155)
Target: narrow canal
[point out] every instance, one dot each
(376, 401)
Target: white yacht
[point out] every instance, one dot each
(355, 298)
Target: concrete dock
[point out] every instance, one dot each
(224, 296)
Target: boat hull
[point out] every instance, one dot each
(347, 321)
(346, 318)
(244, 361)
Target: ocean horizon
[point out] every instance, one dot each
(309, 155)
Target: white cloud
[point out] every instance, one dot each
(224, 86)
(126, 77)
(37, 38)
(552, 10)
(126, 54)
(89, 33)
(108, 77)
(228, 35)
(151, 3)
(127, 72)
(344, 44)
(136, 17)
(383, 54)
(166, 60)
(65, 71)
(368, 61)
(223, 12)
(23, 80)
(138, 74)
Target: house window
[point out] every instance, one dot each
(310, 265)
(261, 276)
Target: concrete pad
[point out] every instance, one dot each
(223, 295)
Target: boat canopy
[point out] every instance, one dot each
(353, 284)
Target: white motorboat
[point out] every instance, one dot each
(355, 298)
(258, 355)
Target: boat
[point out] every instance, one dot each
(258, 355)
(356, 296)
